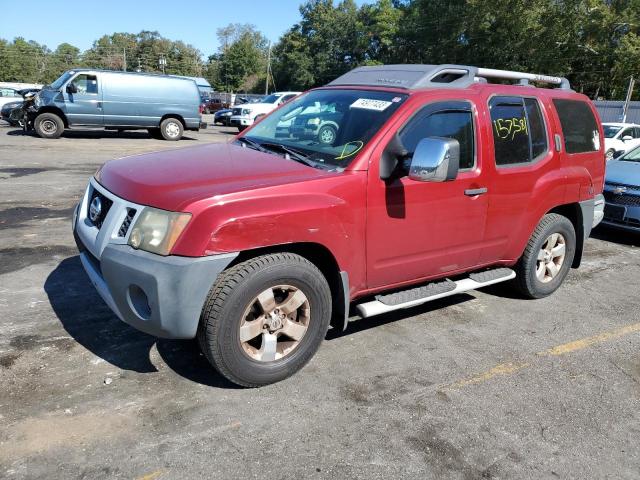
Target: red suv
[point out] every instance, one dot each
(434, 182)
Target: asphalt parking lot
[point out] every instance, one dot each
(482, 385)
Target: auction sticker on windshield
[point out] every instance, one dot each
(370, 104)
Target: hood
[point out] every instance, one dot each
(621, 172)
(262, 107)
(173, 179)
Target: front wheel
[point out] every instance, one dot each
(265, 318)
(547, 258)
(48, 125)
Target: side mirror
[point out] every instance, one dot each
(626, 138)
(436, 159)
(71, 88)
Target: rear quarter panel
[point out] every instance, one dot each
(142, 100)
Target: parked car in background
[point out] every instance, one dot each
(8, 94)
(436, 184)
(245, 115)
(5, 112)
(212, 105)
(622, 192)
(223, 117)
(620, 138)
(164, 105)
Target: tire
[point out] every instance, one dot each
(609, 154)
(171, 129)
(236, 292)
(535, 263)
(327, 135)
(155, 133)
(48, 125)
(242, 128)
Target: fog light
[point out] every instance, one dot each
(139, 302)
(135, 239)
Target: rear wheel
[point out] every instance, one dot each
(265, 318)
(171, 129)
(547, 258)
(48, 125)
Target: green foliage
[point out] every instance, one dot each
(241, 62)
(596, 43)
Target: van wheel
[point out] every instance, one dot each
(547, 258)
(171, 129)
(265, 318)
(48, 125)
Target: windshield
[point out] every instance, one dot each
(61, 80)
(611, 130)
(328, 126)
(632, 156)
(270, 99)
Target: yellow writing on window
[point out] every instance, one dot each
(508, 128)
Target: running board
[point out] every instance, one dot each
(433, 291)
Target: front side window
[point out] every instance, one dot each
(86, 84)
(519, 134)
(328, 127)
(579, 126)
(447, 119)
(270, 99)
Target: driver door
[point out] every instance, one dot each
(418, 230)
(84, 106)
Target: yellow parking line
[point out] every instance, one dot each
(151, 476)
(508, 368)
(502, 369)
(586, 342)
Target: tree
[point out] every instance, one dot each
(242, 58)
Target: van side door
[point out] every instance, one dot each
(83, 100)
(419, 230)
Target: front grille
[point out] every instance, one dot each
(622, 198)
(106, 205)
(124, 228)
(237, 111)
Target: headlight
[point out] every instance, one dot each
(246, 111)
(156, 231)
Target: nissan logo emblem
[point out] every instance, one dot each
(95, 209)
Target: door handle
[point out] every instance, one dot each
(99, 104)
(472, 192)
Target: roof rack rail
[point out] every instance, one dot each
(413, 77)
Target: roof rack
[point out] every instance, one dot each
(413, 77)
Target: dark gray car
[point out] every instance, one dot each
(622, 192)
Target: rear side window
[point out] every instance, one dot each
(519, 134)
(579, 127)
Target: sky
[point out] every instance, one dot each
(52, 22)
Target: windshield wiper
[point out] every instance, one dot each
(255, 145)
(292, 153)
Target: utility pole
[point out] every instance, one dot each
(625, 107)
(124, 59)
(266, 83)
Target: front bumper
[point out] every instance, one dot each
(622, 211)
(238, 121)
(162, 296)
